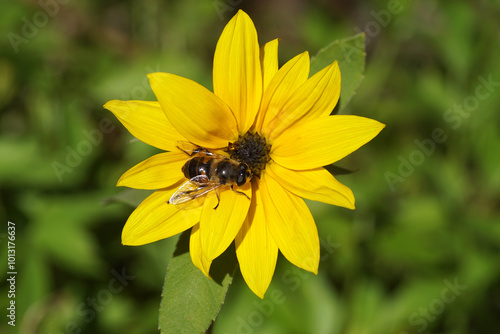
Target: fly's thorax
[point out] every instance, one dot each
(227, 171)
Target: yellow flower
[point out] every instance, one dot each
(280, 119)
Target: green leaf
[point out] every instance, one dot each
(190, 300)
(350, 54)
(337, 170)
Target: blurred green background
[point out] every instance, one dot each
(420, 254)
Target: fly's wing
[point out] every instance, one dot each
(191, 194)
(183, 194)
(190, 148)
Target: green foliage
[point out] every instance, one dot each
(350, 54)
(190, 300)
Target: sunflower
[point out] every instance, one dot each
(279, 119)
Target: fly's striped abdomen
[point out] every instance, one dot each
(198, 166)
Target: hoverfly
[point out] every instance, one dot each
(207, 171)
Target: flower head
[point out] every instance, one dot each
(276, 121)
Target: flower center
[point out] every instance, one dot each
(251, 149)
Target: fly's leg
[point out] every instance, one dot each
(218, 199)
(194, 151)
(239, 192)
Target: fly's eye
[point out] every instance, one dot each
(242, 175)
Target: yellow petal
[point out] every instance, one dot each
(159, 171)
(154, 219)
(255, 248)
(218, 227)
(291, 224)
(197, 256)
(237, 71)
(315, 98)
(269, 64)
(282, 87)
(146, 121)
(323, 141)
(269, 61)
(314, 184)
(200, 116)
